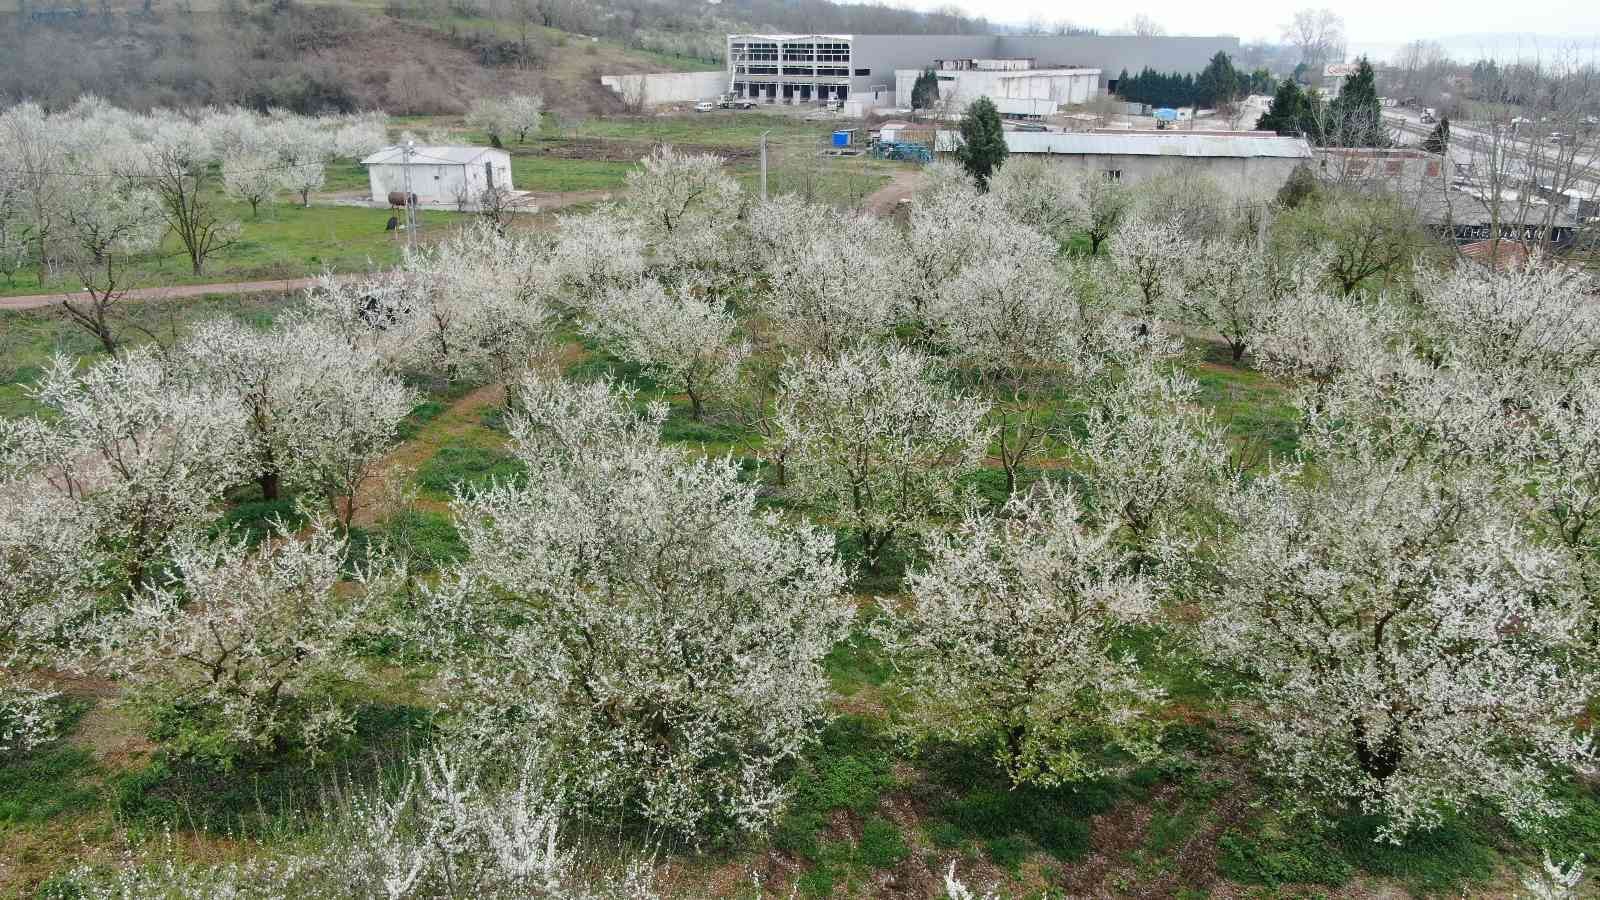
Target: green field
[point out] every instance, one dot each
(285, 240)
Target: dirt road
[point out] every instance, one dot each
(882, 202)
(38, 301)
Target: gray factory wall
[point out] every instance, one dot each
(1256, 177)
(1113, 53)
(883, 53)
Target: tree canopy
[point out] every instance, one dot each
(925, 92)
(1355, 118)
(983, 143)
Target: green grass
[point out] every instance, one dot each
(979, 804)
(846, 774)
(1253, 408)
(428, 539)
(30, 338)
(734, 130)
(554, 173)
(49, 781)
(253, 520)
(1275, 852)
(469, 467)
(269, 794)
(284, 241)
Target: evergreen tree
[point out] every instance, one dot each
(925, 91)
(1218, 84)
(1289, 111)
(1439, 140)
(1355, 118)
(983, 144)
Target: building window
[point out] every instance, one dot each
(863, 71)
(1114, 174)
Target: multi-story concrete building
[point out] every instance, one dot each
(804, 68)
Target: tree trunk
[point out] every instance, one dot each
(1380, 762)
(269, 485)
(695, 406)
(1238, 352)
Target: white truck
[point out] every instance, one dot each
(733, 101)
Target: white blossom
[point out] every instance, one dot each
(137, 456)
(1553, 881)
(249, 643)
(1410, 648)
(831, 278)
(626, 608)
(251, 177)
(1009, 641)
(1147, 261)
(878, 441)
(319, 413)
(683, 338)
(594, 251)
(1154, 458)
(685, 204)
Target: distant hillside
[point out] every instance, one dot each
(409, 57)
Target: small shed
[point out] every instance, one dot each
(438, 174)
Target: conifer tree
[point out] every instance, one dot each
(983, 143)
(1355, 118)
(1439, 140)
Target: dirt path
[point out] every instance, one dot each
(882, 202)
(171, 292)
(462, 415)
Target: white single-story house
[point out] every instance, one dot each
(1251, 162)
(445, 175)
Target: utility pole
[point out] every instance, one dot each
(411, 202)
(764, 164)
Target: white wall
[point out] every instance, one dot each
(439, 183)
(668, 87)
(1035, 93)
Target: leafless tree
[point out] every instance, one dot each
(1532, 151)
(1144, 26)
(177, 167)
(1419, 68)
(1319, 35)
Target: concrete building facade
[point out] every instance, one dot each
(1248, 164)
(1015, 85)
(441, 175)
(801, 68)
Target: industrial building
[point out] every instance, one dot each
(1252, 163)
(438, 174)
(806, 68)
(1018, 87)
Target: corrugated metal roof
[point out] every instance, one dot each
(430, 156)
(1148, 143)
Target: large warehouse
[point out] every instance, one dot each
(804, 68)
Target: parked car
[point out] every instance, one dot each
(1557, 137)
(704, 106)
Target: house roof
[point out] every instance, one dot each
(1149, 143)
(429, 155)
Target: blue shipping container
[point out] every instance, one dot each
(841, 138)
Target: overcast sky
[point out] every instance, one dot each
(1373, 26)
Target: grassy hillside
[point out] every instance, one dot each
(309, 57)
